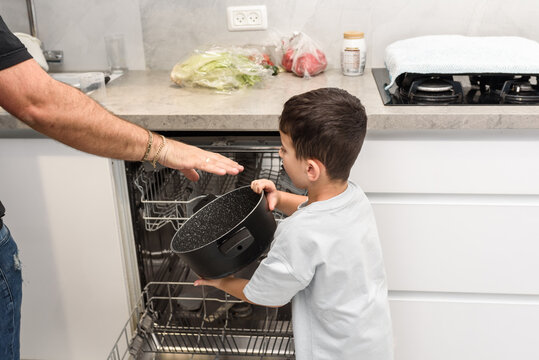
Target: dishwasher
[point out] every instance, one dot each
(172, 319)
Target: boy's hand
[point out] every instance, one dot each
(272, 194)
(230, 284)
(208, 282)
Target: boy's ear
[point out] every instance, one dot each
(314, 169)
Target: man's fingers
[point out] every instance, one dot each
(220, 165)
(223, 162)
(188, 158)
(191, 174)
(219, 169)
(228, 162)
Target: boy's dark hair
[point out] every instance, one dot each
(326, 124)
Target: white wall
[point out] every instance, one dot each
(173, 28)
(78, 27)
(160, 33)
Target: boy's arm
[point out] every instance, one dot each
(286, 202)
(233, 286)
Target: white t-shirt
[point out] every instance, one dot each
(327, 258)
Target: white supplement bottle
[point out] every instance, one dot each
(354, 53)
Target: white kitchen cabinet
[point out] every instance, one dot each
(427, 329)
(457, 215)
(62, 212)
(454, 162)
(466, 248)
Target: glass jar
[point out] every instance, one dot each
(353, 54)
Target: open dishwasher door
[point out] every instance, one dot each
(172, 316)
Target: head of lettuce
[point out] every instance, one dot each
(224, 70)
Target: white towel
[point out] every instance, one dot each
(457, 54)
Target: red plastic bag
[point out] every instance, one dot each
(303, 56)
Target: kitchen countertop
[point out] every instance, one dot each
(150, 99)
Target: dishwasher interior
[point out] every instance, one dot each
(173, 319)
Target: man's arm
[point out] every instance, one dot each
(67, 115)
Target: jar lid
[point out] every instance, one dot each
(353, 35)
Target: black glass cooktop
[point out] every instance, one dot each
(459, 89)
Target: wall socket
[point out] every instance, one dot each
(246, 18)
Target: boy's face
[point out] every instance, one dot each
(294, 167)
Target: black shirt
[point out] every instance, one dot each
(12, 52)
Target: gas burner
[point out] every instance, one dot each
(430, 90)
(519, 91)
(458, 89)
(502, 89)
(483, 87)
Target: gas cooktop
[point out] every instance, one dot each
(461, 89)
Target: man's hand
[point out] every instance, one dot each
(272, 194)
(187, 158)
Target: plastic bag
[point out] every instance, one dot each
(222, 69)
(262, 54)
(302, 56)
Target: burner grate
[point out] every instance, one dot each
(458, 89)
(431, 90)
(519, 91)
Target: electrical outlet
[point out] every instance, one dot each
(246, 18)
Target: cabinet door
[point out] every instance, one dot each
(449, 166)
(455, 245)
(61, 211)
(476, 329)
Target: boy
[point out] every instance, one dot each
(326, 255)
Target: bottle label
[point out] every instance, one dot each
(351, 61)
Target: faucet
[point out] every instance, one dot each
(51, 56)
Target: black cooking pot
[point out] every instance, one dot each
(227, 234)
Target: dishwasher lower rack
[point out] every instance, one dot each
(179, 318)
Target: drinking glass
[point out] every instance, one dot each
(115, 48)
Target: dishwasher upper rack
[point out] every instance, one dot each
(161, 323)
(167, 196)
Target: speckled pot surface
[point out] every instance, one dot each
(227, 234)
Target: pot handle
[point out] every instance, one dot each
(237, 243)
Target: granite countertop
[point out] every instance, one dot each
(150, 99)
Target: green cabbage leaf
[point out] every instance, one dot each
(219, 69)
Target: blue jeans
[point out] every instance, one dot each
(10, 297)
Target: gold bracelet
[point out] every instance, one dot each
(163, 143)
(148, 147)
